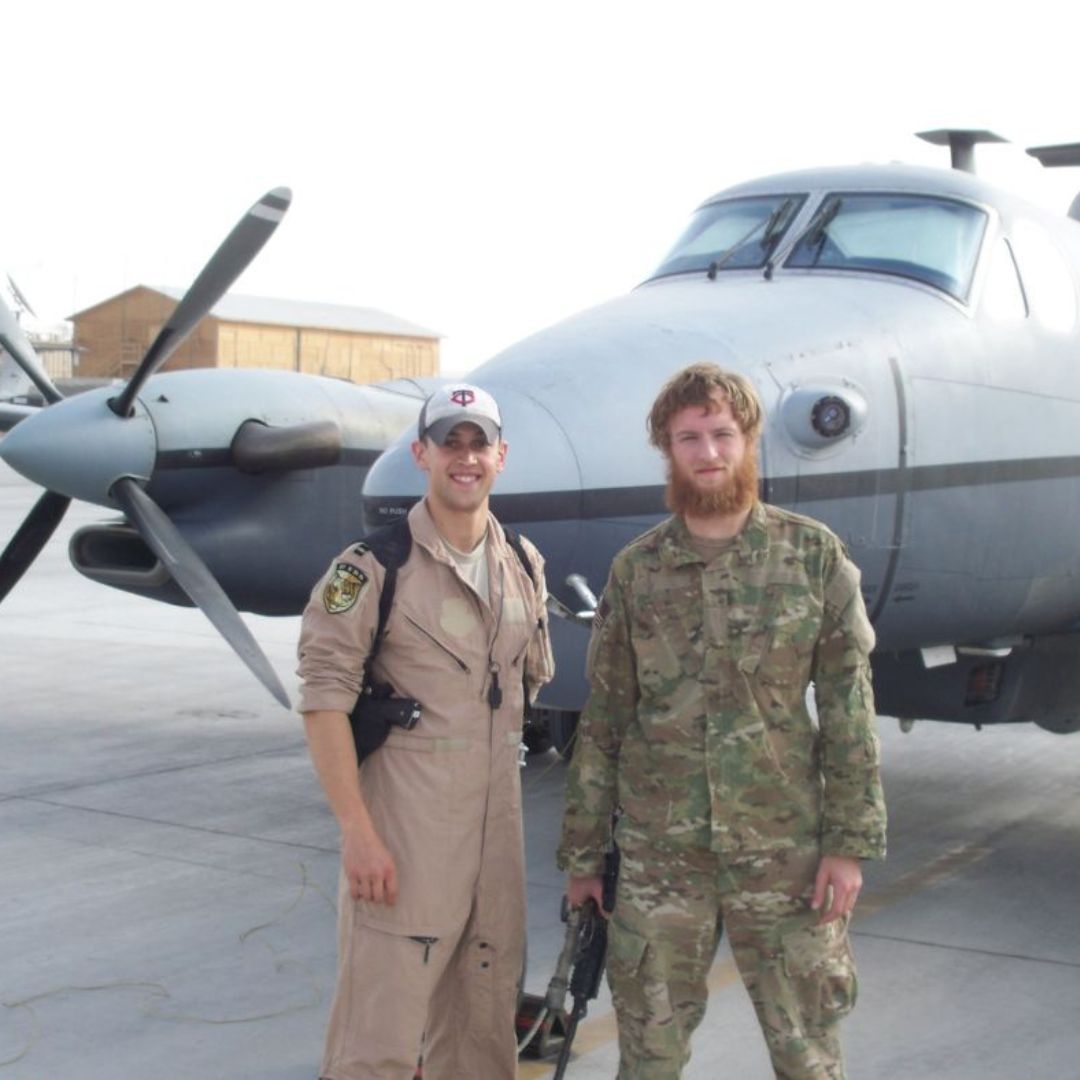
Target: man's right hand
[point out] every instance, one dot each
(580, 889)
(369, 867)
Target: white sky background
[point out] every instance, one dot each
(480, 168)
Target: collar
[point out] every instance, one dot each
(426, 534)
(750, 545)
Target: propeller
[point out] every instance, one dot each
(153, 524)
(225, 266)
(32, 536)
(192, 575)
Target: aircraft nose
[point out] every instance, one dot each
(541, 466)
(79, 447)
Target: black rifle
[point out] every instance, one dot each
(590, 951)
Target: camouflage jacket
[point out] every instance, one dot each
(697, 725)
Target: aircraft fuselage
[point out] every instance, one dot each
(954, 483)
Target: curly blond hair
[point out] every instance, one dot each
(695, 385)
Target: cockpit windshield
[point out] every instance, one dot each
(736, 234)
(930, 239)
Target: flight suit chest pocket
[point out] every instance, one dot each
(416, 640)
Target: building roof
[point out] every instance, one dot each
(267, 310)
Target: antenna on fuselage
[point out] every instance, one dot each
(1053, 157)
(961, 143)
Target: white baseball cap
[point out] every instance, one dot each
(459, 403)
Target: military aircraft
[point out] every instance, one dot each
(914, 335)
(230, 488)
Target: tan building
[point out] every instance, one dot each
(359, 344)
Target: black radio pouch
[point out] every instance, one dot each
(377, 710)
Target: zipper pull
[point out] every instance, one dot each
(427, 942)
(494, 690)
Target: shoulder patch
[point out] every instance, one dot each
(361, 549)
(344, 588)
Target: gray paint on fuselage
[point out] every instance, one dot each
(911, 493)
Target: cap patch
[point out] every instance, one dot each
(343, 589)
(452, 405)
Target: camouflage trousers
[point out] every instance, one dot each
(668, 919)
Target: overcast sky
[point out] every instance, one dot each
(479, 168)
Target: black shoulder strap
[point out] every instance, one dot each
(514, 541)
(391, 546)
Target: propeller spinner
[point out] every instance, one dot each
(50, 447)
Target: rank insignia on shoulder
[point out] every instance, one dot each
(343, 589)
(361, 549)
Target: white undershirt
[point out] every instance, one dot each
(473, 566)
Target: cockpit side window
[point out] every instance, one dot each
(734, 234)
(1003, 294)
(923, 237)
(1048, 282)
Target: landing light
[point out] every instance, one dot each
(830, 416)
(821, 415)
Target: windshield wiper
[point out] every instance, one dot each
(815, 234)
(770, 233)
(778, 221)
(774, 229)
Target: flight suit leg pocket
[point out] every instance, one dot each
(820, 969)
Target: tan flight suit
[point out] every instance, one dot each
(440, 968)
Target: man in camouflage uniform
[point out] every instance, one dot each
(734, 807)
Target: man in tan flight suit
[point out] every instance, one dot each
(432, 895)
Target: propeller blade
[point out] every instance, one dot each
(224, 267)
(194, 577)
(22, 352)
(32, 536)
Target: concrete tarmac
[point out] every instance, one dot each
(168, 866)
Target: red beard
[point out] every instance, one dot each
(687, 500)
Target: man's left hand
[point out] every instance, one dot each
(839, 878)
